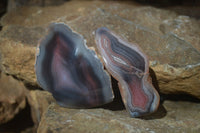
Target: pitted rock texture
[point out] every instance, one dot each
(169, 39)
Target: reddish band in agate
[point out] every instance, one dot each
(130, 67)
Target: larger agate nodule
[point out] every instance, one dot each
(70, 71)
(129, 65)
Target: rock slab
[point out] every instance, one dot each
(180, 117)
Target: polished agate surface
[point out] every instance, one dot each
(72, 72)
(129, 66)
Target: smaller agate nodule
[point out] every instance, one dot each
(71, 71)
(130, 67)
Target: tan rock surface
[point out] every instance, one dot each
(39, 102)
(180, 117)
(12, 97)
(170, 40)
(18, 50)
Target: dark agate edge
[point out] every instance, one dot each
(130, 67)
(71, 71)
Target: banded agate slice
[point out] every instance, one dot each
(70, 71)
(130, 67)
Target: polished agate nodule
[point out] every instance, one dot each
(129, 65)
(70, 71)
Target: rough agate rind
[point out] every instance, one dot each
(130, 67)
(71, 71)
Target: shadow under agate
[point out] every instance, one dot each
(161, 111)
(154, 79)
(117, 103)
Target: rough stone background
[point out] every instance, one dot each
(170, 40)
(170, 36)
